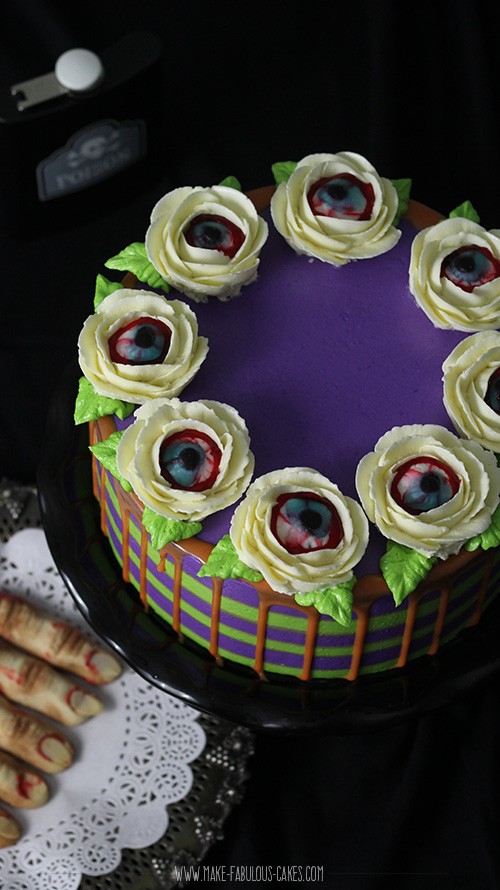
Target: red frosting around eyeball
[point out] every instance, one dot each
(212, 232)
(342, 196)
(422, 484)
(190, 460)
(144, 341)
(470, 266)
(303, 521)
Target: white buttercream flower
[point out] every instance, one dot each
(140, 346)
(297, 529)
(471, 391)
(454, 275)
(336, 208)
(425, 488)
(186, 460)
(206, 241)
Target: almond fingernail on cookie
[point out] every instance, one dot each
(103, 666)
(56, 750)
(83, 703)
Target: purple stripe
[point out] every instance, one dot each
(286, 659)
(389, 653)
(335, 663)
(161, 600)
(241, 592)
(331, 641)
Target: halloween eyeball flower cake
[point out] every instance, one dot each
(285, 581)
(336, 208)
(186, 460)
(427, 489)
(140, 346)
(455, 274)
(472, 388)
(206, 241)
(297, 529)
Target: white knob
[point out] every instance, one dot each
(79, 70)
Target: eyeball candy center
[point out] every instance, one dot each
(212, 232)
(470, 266)
(190, 460)
(144, 341)
(304, 521)
(422, 484)
(342, 196)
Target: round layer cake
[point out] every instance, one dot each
(320, 361)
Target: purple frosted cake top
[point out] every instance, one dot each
(322, 361)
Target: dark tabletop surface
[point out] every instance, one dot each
(413, 805)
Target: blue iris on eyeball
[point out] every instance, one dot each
(423, 484)
(342, 196)
(144, 341)
(470, 266)
(302, 522)
(212, 232)
(189, 460)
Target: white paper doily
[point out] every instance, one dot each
(131, 761)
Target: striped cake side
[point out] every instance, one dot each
(269, 632)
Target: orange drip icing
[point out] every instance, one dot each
(484, 586)
(438, 627)
(363, 616)
(143, 566)
(261, 637)
(176, 605)
(311, 633)
(411, 615)
(125, 541)
(92, 441)
(104, 522)
(215, 619)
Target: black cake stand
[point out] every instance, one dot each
(85, 561)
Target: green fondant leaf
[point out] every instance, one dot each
(403, 188)
(488, 538)
(403, 569)
(467, 211)
(232, 183)
(134, 259)
(103, 288)
(333, 601)
(282, 170)
(164, 531)
(105, 452)
(90, 404)
(224, 563)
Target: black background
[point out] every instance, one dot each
(416, 90)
